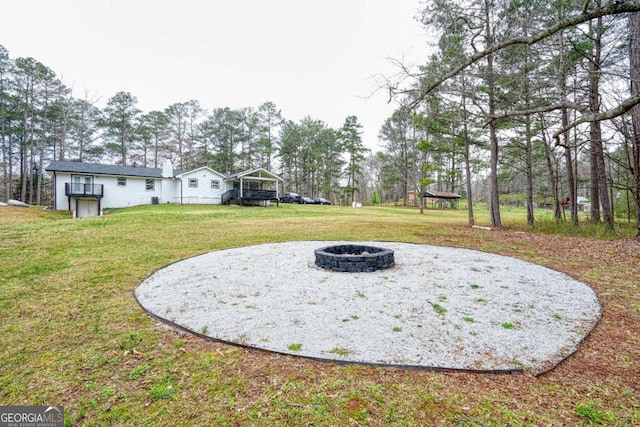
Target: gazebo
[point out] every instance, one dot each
(442, 198)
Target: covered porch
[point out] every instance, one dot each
(254, 187)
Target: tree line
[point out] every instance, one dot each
(41, 119)
(532, 102)
(534, 97)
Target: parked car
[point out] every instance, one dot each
(307, 200)
(321, 201)
(291, 198)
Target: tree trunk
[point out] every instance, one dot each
(6, 160)
(32, 163)
(595, 129)
(493, 144)
(24, 143)
(571, 183)
(6, 184)
(553, 176)
(634, 66)
(595, 193)
(529, 172)
(467, 156)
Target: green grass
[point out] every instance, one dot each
(440, 310)
(73, 334)
(295, 346)
(340, 351)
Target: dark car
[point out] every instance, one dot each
(321, 201)
(291, 198)
(307, 201)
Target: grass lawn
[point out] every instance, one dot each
(72, 333)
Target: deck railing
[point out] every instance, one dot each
(76, 189)
(259, 194)
(248, 195)
(228, 196)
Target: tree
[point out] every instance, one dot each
(330, 163)
(144, 138)
(396, 134)
(177, 115)
(490, 78)
(555, 26)
(586, 15)
(157, 124)
(6, 70)
(634, 67)
(221, 130)
(598, 174)
(118, 121)
(351, 138)
(288, 153)
(249, 131)
(55, 123)
(193, 114)
(84, 126)
(31, 75)
(269, 121)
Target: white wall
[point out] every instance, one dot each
(170, 189)
(203, 193)
(61, 202)
(132, 194)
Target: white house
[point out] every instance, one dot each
(88, 188)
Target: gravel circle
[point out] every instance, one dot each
(439, 307)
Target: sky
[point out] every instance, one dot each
(310, 58)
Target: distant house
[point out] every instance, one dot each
(87, 189)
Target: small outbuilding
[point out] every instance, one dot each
(441, 199)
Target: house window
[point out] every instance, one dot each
(122, 181)
(215, 184)
(82, 184)
(150, 184)
(193, 182)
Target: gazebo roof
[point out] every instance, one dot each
(441, 195)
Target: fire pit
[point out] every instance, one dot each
(354, 258)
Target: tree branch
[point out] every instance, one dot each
(613, 8)
(625, 106)
(542, 109)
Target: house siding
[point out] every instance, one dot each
(203, 193)
(132, 194)
(166, 189)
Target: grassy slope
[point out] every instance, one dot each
(71, 332)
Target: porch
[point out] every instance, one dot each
(257, 186)
(248, 195)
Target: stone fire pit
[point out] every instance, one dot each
(354, 258)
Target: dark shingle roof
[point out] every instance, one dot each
(99, 169)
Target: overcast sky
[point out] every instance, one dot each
(312, 58)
